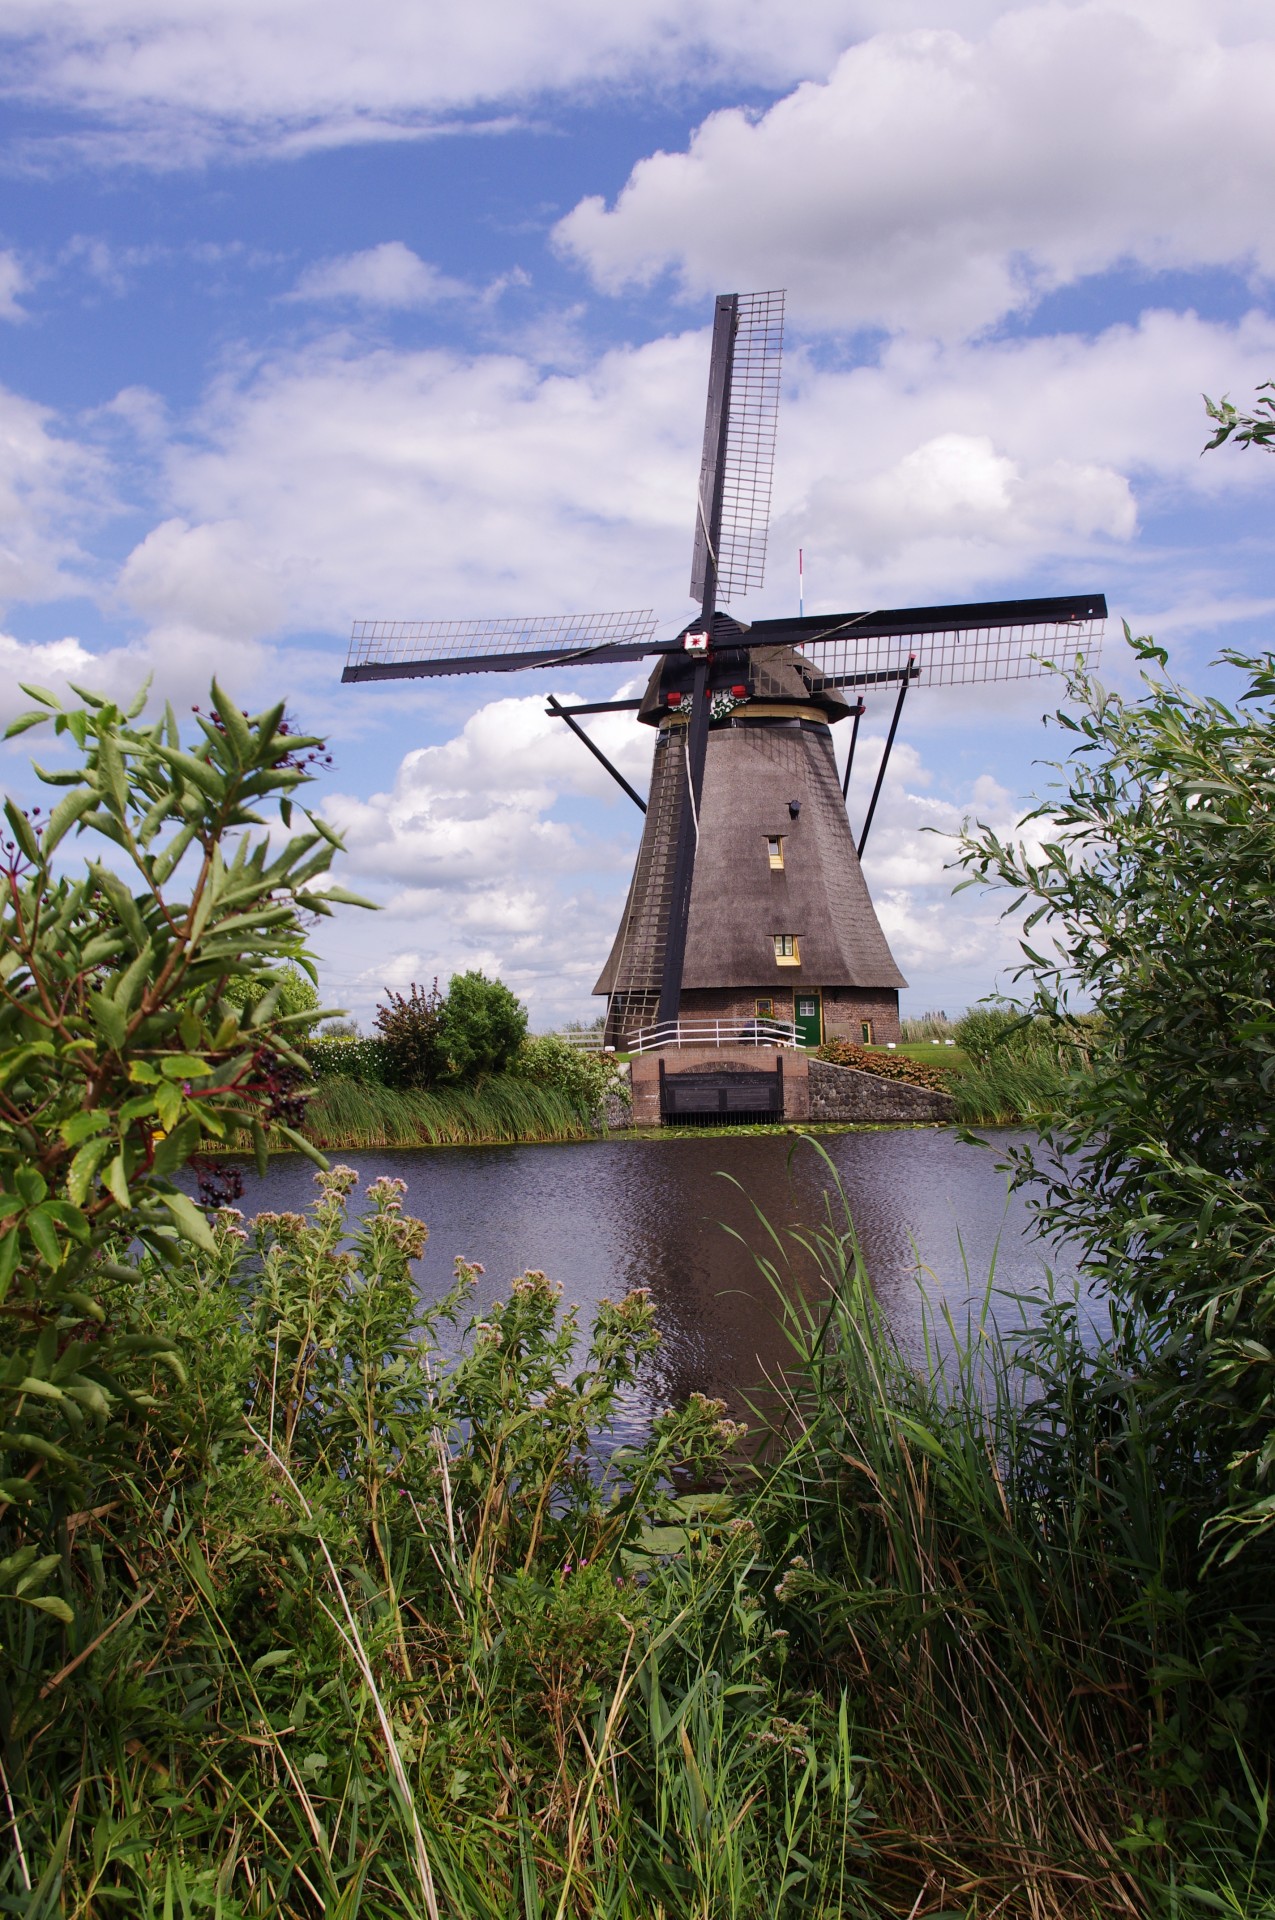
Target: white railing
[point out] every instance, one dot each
(588, 1039)
(713, 1033)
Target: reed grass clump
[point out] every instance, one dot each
(1001, 1556)
(348, 1113)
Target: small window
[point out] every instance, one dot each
(787, 951)
(775, 850)
(764, 1009)
(866, 1031)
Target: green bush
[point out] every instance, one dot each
(587, 1079)
(376, 1621)
(122, 1049)
(294, 990)
(481, 1026)
(1155, 889)
(357, 1058)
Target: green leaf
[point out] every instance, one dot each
(237, 732)
(110, 1021)
(39, 1225)
(9, 1248)
(49, 1603)
(64, 817)
(117, 1181)
(42, 694)
(82, 1126)
(189, 1221)
(21, 1058)
(110, 767)
(32, 1185)
(20, 827)
(36, 1443)
(23, 724)
(183, 1066)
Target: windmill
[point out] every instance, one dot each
(747, 902)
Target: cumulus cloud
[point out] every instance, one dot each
(337, 483)
(50, 484)
(476, 865)
(390, 275)
(938, 179)
(173, 86)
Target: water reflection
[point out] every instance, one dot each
(681, 1217)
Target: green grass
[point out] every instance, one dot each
(348, 1113)
(932, 1053)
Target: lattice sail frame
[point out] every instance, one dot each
(957, 656)
(543, 640)
(749, 462)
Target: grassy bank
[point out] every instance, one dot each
(352, 1629)
(346, 1113)
(998, 1074)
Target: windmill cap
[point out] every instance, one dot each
(774, 676)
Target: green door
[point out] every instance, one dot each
(808, 1014)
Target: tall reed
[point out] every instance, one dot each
(997, 1553)
(347, 1113)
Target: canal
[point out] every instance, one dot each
(684, 1217)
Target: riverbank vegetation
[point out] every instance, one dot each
(455, 1070)
(315, 1601)
(346, 1113)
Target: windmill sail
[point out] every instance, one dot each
(743, 388)
(951, 646)
(423, 649)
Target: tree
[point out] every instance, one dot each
(481, 1027)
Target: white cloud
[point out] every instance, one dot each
(337, 483)
(939, 180)
(49, 485)
(14, 280)
(390, 275)
(943, 470)
(175, 84)
(475, 870)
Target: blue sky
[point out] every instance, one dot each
(318, 312)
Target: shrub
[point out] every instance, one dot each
(356, 1058)
(1155, 890)
(886, 1066)
(296, 994)
(409, 1031)
(587, 1079)
(121, 1049)
(996, 1025)
(481, 1026)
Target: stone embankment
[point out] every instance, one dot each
(846, 1094)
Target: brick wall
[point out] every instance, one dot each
(844, 1008)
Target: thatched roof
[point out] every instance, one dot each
(738, 903)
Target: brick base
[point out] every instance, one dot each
(845, 1009)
